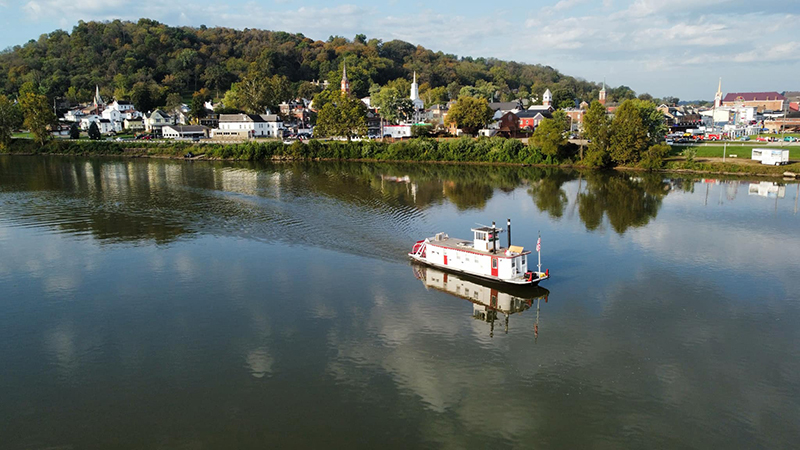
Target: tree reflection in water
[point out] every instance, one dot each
(626, 201)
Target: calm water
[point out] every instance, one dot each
(160, 304)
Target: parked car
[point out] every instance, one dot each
(744, 138)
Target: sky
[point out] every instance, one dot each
(678, 47)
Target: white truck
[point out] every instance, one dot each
(770, 157)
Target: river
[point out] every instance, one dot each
(198, 305)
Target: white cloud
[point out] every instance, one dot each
(36, 9)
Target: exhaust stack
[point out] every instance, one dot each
(494, 238)
(509, 233)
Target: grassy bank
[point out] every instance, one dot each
(740, 149)
(463, 150)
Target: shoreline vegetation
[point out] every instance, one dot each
(491, 151)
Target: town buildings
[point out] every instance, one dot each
(249, 126)
(763, 101)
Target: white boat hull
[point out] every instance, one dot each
(522, 281)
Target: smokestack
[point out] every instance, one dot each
(509, 233)
(494, 238)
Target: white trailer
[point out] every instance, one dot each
(771, 157)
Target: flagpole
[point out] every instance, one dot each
(539, 251)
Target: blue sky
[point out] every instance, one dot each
(676, 47)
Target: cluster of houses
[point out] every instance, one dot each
(738, 114)
(735, 114)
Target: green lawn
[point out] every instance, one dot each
(779, 136)
(25, 135)
(741, 151)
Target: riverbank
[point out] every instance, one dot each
(496, 151)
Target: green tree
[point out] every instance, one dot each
(470, 114)
(6, 119)
(629, 136)
(142, 98)
(434, 96)
(637, 126)
(551, 135)
(38, 115)
(74, 131)
(324, 97)
(344, 116)
(94, 131)
(622, 93)
(307, 90)
(198, 107)
(597, 128)
(256, 93)
(482, 89)
(563, 98)
(393, 105)
(174, 102)
(653, 157)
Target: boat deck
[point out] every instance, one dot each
(463, 244)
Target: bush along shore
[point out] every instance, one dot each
(463, 150)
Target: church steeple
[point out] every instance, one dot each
(418, 103)
(345, 82)
(602, 97)
(98, 101)
(414, 88)
(718, 97)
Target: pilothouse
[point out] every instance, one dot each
(482, 256)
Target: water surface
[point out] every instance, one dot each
(163, 304)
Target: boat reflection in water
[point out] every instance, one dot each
(489, 300)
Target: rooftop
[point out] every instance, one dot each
(752, 96)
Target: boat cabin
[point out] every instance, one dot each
(486, 238)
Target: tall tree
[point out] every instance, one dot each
(637, 126)
(74, 131)
(597, 129)
(393, 106)
(6, 119)
(94, 131)
(551, 135)
(470, 114)
(345, 116)
(198, 107)
(38, 116)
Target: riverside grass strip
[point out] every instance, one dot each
(462, 150)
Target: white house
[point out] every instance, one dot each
(74, 115)
(263, 125)
(122, 106)
(185, 131)
(397, 131)
(88, 119)
(133, 124)
(156, 120)
(112, 114)
(108, 126)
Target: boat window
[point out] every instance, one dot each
(513, 262)
(523, 260)
(494, 263)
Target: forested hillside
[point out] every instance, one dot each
(146, 61)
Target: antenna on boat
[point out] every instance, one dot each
(539, 250)
(509, 233)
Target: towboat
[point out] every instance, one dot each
(481, 257)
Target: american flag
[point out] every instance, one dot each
(539, 245)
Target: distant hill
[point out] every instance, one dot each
(121, 56)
